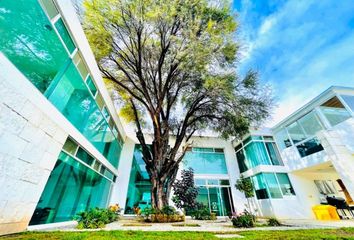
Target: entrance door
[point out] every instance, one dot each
(215, 201)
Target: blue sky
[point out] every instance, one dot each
(300, 47)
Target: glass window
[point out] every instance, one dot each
(139, 187)
(29, 42)
(241, 160)
(296, 133)
(334, 111)
(268, 138)
(199, 182)
(272, 185)
(205, 161)
(72, 98)
(70, 146)
(50, 8)
(311, 124)
(349, 100)
(260, 186)
(105, 112)
(63, 32)
(282, 139)
(256, 154)
(309, 147)
(99, 100)
(285, 184)
(108, 174)
(273, 153)
(71, 188)
(91, 85)
(213, 182)
(84, 156)
(224, 182)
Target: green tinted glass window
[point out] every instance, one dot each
(285, 184)
(70, 146)
(71, 188)
(205, 162)
(60, 26)
(256, 154)
(273, 186)
(91, 85)
(50, 8)
(84, 156)
(72, 98)
(30, 43)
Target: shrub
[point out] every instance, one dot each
(244, 220)
(201, 212)
(97, 217)
(185, 191)
(273, 222)
(167, 214)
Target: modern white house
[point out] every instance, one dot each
(64, 150)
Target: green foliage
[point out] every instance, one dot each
(245, 186)
(184, 190)
(166, 214)
(244, 220)
(202, 212)
(273, 222)
(96, 218)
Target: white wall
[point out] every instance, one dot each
(120, 187)
(30, 142)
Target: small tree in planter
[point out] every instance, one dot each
(245, 186)
(185, 192)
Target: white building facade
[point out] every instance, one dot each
(64, 150)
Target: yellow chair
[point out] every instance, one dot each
(325, 212)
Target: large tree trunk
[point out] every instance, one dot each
(159, 197)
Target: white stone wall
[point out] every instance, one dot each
(29, 146)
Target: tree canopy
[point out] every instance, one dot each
(173, 63)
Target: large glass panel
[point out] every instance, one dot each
(273, 153)
(71, 188)
(65, 35)
(282, 139)
(311, 124)
(72, 98)
(203, 196)
(285, 184)
(272, 185)
(29, 42)
(335, 115)
(215, 201)
(349, 100)
(334, 111)
(309, 147)
(139, 188)
(296, 133)
(50, 8)
(260, 186)
(205, 161)
(241, 160)
(226, 200)
(256, 154)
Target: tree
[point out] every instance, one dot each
(245, 186)
(173, 63)
(185, 192)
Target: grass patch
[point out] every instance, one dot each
(316, 234)
(136, 225)
(186, 225)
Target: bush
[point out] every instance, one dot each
(97, 217)
(273, 222)
(167, 214)
(201, 212)
(244, 220)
